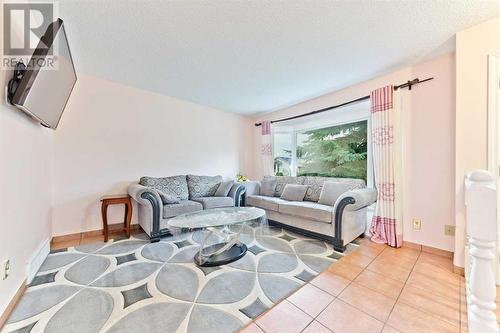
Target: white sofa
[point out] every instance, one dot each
(339, 223)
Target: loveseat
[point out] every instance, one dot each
(159, 199)
(335, 212)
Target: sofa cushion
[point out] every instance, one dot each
(308, 210)
(261, 201)
(167, 198)
(215, 202)
(185, 206)
(224, 188)
(267, 187)
(294, 192)
(316, 185)
(281, 181)
(202, 186)
(174, 185)
(332, 191)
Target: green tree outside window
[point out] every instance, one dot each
(337, 151)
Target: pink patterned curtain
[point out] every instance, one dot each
(386, 140)
(266, 149)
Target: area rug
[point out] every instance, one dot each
(133, 285)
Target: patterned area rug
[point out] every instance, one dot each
(132, 285)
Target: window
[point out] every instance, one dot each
(339, 150)
(336, 151)
(282, 150)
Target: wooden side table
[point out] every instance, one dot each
(116, 200)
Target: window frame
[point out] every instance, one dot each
(293, 147)
(293, 132)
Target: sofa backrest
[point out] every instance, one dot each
(315, 184)
(202, 186)
(174, 185)
(281, 181)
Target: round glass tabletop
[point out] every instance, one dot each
(216, 217)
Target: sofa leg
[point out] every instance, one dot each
(338, 245)
(340, 249)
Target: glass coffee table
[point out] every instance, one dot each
(217, 222)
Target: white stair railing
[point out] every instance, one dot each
(481, 229)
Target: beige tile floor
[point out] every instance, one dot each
(375, 289)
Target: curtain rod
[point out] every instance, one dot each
(408, 85)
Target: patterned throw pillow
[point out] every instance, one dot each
(224, 188)
(202, 186)
(294, 192)
(168, 199)
(315, 187)
(282, 181)
(175, 186)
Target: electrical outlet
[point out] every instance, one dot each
(449, 230)
(417, 224)
(6, 268)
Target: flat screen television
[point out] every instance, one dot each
(43, 91)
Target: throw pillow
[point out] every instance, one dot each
(267, 187)
(173, 185)
(202, 186)
(167, 199)
(224, 188)
(331, 191)
(293, 192)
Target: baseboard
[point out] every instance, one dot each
(428, 249)
(32, 267)
(439, 252)
(410, 245)
(12, 304)
(37, 260)
(112, 228)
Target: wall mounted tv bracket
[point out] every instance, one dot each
(19, 71)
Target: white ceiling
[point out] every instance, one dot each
(258, 56)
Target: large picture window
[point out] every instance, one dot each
(334, 151)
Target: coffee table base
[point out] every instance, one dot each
(235, 252)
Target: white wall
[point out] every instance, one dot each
(25, 191)
(473, 47)
(111, 134)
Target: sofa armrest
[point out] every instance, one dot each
(251, 187)
(237, 191)
(350, 201)
(361, 198)
(151, 201)
(136, 191)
